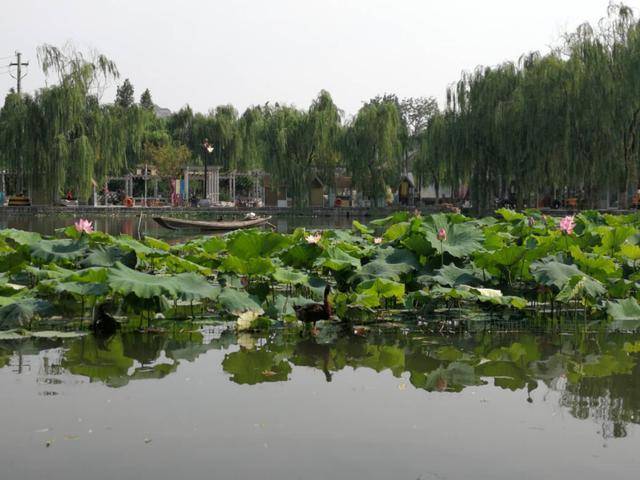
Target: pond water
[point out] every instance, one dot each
(132, 224)
(391, 402)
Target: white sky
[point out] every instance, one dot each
(244, 52)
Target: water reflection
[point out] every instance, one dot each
(591, 374)
(131, 223)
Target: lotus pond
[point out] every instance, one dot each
(499, 347)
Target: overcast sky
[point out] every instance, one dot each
(244, 52)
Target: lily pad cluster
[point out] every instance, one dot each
(443, 264)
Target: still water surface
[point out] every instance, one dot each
(395, 402)
(132, 224)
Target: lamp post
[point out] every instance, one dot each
(208, 149)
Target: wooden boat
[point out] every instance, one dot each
(19, 201)
(221, 225)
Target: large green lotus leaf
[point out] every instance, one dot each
(510, 215)
(82, 289)
(22, 311)
(389, 263)
(419, 244)
(108, 256)
(214, 245)
(317, 286)
(13, 262)
(382, 288)
(129, 243)
(252, 266)
(551, 272)
(495, 240)
(509, 256)
(247, 244)
(186, 286)
(238, 301)
(598, 266)
(47, 272)
(173, 264)
(462, 239)
(92, 274)
(343, 236)
(125, 280)
(397, 217)
(580, 287)
(301, 255)
(336, 259)
(362, 229)
(195, 287)
(396, 231)
(5, 248)
(21, 237)
(157, 244)
(249, 367)
(451, 276)
(59, 250)
(625, 314)
(630, 252)
(354, 249)
(283, 306)
(290, 276)
(613, 238)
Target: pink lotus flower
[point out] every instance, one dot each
(377, 240)
(84, 226)
(313, 239)
(567, 224)
(442, 235)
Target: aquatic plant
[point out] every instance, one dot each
(83, 226)
(450, 264)
(567, 225)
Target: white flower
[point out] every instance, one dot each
(377, 240)
(489, 292)
(245, 319)
(313, 238)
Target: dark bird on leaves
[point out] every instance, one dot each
(312, 312)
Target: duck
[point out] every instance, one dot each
(103, 322)
(312, 312)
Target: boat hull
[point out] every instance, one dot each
(180, 223)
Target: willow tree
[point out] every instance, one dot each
(373, 147)
(251, 127)
(51, 134)
(563, 124)
(224, 136)
(324, 125)
(288, 151)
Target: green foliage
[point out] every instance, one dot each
(256, 275)
(124, 94)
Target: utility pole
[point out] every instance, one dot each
(19, 64)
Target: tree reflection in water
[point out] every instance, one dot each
(591, 374)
